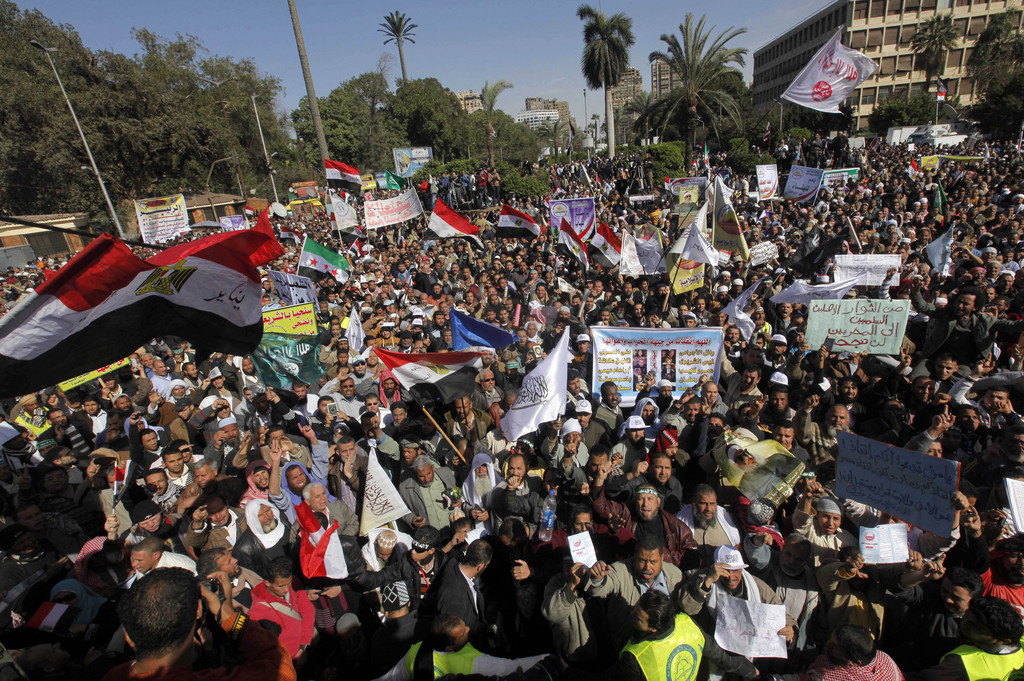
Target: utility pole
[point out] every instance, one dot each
(314, 105)
(266, 156)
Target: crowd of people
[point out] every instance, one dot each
(205, 562)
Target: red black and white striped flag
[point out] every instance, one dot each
(107, 302)
(341, 176)
(446, 223)
(430, 374)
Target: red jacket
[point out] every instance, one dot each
(295, 631)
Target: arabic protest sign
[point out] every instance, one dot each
(766, 251)
(403, 207)
(298, 320)
(411, 159)
(839, 177)
(1015, 495)
(750, 629)
(858, 325)
(233, 223)
(581, 548)
(86, 377)
(579, 213)
(875, 266)
(916, 488)
(885, 544)
(281, 358)
(803, 183)
(767, 181)
(292, 289)
(684, 357)
(162, 218)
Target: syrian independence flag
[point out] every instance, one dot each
(107, 302)
(341, 176)
(513, 222)
(572, 241)
(429, 374)
(322, 259)
(446, 224)
(608, 243)
(320, 551)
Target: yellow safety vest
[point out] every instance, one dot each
(990, 667)
(673, 658)
(459, 662)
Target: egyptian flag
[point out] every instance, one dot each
(341, 176)
(608, 243)
(430, 374)
(512, 222)
(53, 617)
(940, 90)
(446, 223)
(320, 551)
(107, 302)
(913, 170)
(568, 237)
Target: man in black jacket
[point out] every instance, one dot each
(418, 568)
(457, 592)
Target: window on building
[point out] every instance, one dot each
(860, 10)
(888, 66)
(961, 27)
(977, 25)
(892, 34)
(867, 96)
(927, 5)
(966, 87)
(905, 63)
(884, 92)
(963, 3)
(874, 38)
(877, 8)
(858, 39)
(47, 244)
(916, 89)
(895, 7)
(911, 6)
(953, 58)
(900, 91)
(907, 34)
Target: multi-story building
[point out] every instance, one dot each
(470, 101)
(541, 104)
(663, 78)
(630, 85)
(883, 30)
(535, 118)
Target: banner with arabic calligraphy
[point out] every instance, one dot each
(859, 325)
(298, 320)
(282, 358)
(88, 376)
(631, 356)
(162, 218)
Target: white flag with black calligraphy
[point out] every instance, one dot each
(542, 397)
(381, 501)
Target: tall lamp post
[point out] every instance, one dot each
(99, 178)
(266, 156)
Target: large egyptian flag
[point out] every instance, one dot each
(431, 374)
(516, 223)
(446, 223)
(107, 302)
(608, 243)
(341, 176)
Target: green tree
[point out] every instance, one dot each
(398, 29)
(1001, 109)
(647, 111)
(553, 134)
(489, 98)
(897, 111)
(934, 38)
(606, 43)
(999, 52)
(702, 63)
(430, 115)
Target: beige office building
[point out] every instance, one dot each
(663, 78)
(541, 104)
(470, 101)
(883, 30)
(630, 85)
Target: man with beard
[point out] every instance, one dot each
(728, 576)
(661, 639)
(608, 412)
(819, 519)
(423, 492)
(924, 624)
(1005, 578)
(417, 568)
(621, 584)
(214, 525)
(646, 517)
(265, 537)
(820, 440)
(711, 524)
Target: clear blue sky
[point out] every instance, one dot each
(532, 44)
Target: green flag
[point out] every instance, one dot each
(941, 202)
(281, 358)
(394, 181)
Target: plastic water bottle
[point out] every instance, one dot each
(547, 516)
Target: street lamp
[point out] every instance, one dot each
(266, 156)
(227, 122)
(99, 178)
(779, 102)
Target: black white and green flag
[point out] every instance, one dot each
(281, 358)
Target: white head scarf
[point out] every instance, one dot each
(252, 519)
(469, 487)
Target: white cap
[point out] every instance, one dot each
(583, 407)
(780, 378)
(665, 383)
(583, 338)
(779, 338)
(635, 422)
(722, 289)
(417, 322)
(229, 421)
(737, 282)
(941, 300)
(732, 558)
(570, 426)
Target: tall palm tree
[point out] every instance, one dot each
(552, 134)
(488, 98)
(606, 43)
(998, 52)
(646, 107)
(702, 63)
(398, 28)
(934, 38)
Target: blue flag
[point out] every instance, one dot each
(468, 331)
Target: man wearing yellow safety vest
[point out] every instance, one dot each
(447, 651)
(992, 631)
(666, 645)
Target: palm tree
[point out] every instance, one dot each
(488, 98)
(933, 39)
(1000, 48)
(606, 43)
(702, 63)
(646, 107)
(552, 134)
(398, 28)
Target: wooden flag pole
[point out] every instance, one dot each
(444, 435)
